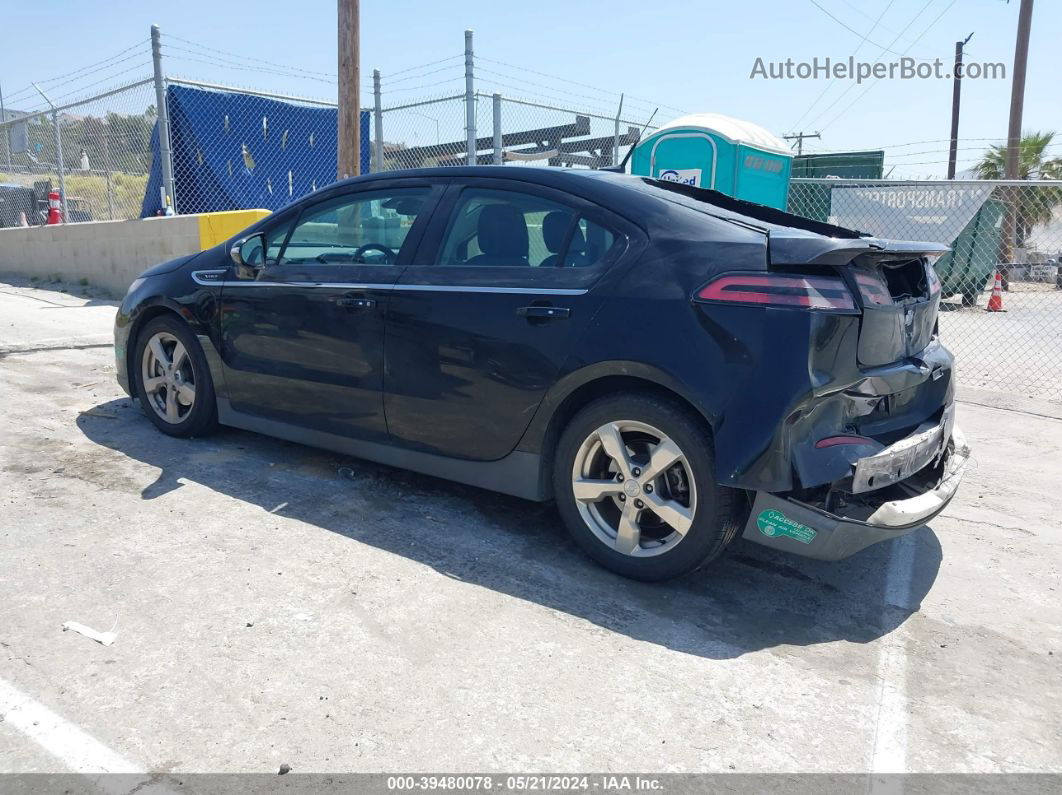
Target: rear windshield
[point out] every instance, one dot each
(720, 205)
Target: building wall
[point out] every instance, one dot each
(111, 254)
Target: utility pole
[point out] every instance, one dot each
(1017, 91)
(799, 138)
(956, 94)
(7, 130)
(1017, 105)
(348, 151)
(169, 199)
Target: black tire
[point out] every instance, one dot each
(716, 513)
(202, 417)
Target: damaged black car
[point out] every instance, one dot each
(673, 366)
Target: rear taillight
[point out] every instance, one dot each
(783, 290)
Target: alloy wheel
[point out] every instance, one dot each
(634, 488)
(168, 377)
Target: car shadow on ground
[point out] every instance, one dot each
(751, 599)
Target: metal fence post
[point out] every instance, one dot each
(497, 130)
(163, 117)
(59, 165)
(470, 100)
(377, 114)
(615, 137)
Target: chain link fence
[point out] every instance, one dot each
(1013, 228)
(237, 148)
(96, 152)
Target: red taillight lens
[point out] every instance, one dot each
(788, 290)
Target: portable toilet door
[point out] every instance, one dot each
(688, 157)
(710, 150)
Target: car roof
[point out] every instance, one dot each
(621, 191)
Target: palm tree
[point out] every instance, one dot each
(1035, 205)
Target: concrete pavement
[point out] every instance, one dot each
(276, 604)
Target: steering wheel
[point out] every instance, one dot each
(389, 254)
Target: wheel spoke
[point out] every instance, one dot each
(615, 448)
(628, 534)
(674, 513)
(152, 385)
(159, 352)
(186, 393)
(179, 355)
(587, 490)
(660, 460)
(172, 414)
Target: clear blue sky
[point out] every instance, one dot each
(692, 55)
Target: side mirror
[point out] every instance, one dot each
(249, 256)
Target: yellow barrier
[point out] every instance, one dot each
(216, 228)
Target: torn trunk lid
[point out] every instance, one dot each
(898, 290)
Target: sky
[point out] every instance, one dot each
(693, 56)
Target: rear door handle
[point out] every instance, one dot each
(355, 303)
(543, 311)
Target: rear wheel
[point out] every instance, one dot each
(635, 483)
(173, 381)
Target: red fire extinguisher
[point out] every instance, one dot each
(55, 211)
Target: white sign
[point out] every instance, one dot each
(684, 176)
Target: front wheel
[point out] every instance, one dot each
(173, 381)
(634, 480)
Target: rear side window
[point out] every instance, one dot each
(499, 228)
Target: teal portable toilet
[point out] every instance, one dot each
(710, 150)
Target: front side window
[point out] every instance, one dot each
(502, 228)
(368, 228)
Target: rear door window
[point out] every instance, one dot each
(502, 228)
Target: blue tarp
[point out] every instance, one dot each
(236, 151)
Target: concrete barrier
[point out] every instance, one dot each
(111, 254)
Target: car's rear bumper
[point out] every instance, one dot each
(786, 523)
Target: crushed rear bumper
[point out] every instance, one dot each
(813, 531)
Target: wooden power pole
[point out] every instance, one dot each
(348, 153)
(956, 95)
(799, 138)
(1012, 170)
(1017, 91)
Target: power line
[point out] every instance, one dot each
(844, 93)
(830, 85)
(849, 28)
(920, 35)
(423, 65)
(611, 94)
(386, 81)
(215, 61)
(102, 64)
(241, 57)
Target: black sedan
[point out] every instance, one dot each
(671, 365)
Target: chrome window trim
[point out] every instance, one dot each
(431, 288)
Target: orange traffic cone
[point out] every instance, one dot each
(995, 303)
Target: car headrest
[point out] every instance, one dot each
(502, 231)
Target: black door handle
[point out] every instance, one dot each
(543, 311)
(355, 303)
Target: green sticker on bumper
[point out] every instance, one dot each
(775, 523)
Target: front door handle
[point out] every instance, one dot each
(543, 311)
(350, 302)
